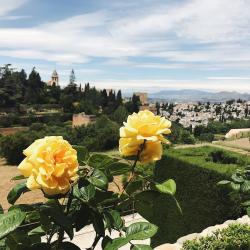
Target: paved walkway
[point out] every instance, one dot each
(85, 237)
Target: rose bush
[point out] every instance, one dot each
(76, 186)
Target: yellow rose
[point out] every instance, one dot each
(144, 126)
(50, 164)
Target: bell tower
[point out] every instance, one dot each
(54, 78)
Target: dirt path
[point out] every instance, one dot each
(6, 173)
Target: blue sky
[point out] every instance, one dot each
(143, 45)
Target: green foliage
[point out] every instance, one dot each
(240, 186)
(10, 221)
(88, 202)
(197, 193)
(180, 135)
(209, 137)
(235, 237)
(101, 136)
(224, 157)
(215, 127)
(120, 115)
(16, 192)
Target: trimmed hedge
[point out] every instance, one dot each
(234, 237)
(203, 203)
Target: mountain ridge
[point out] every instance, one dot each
(198, 95)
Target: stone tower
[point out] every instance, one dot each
(54, 78)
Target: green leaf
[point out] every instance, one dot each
(114, 219)
(235, 186)
(16, 192)
(237, 178)
(116, 243)
(82, 153)
(224, 182)
(119, 168)
(245, 186)
(134, 186)
(141, 231)
(55, 212)
(10, 221)
(141, 247)
(99, 179)
(37, 231)
(100, 161)
(40, 246)
(85, 193)
(98, 223)
(167, 187)
(69, 246)
(1, 210)
(82, 217)
(18, 177)
(246, 204)
(32, 216)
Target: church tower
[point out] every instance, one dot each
(54, 79)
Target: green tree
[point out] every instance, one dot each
(120, 115)
(72, 77)
(35, 88)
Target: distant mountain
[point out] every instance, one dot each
(189, 95)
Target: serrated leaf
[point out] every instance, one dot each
(119, 168)
(141, 247)
(99, 179)
(167, 187)
(16, 192)
(85, 193)
(10, 221)
(116, 243)
(141, 231)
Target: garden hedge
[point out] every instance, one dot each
(234, 237)
(203, 203)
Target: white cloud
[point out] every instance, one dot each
(189, 34)
(6, 6)
(228, 78)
